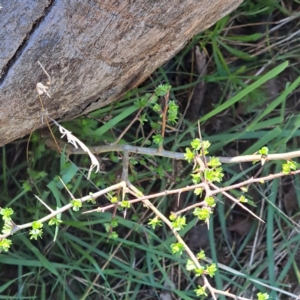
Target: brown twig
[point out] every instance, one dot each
(136, 118)
(200, 185)
(164, 119)
(234, 200)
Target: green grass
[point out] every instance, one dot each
(239, 115)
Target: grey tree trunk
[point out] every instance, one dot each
(94, 52)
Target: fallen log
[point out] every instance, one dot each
(94, 52)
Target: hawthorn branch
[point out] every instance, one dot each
(180, 156)
(54, 213)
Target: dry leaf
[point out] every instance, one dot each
(42, 89)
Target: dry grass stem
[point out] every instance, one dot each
(76, 142)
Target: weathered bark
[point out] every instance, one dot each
(94, 51)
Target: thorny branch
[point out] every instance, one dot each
(127, 187)
(58, 211)
(180, 156)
